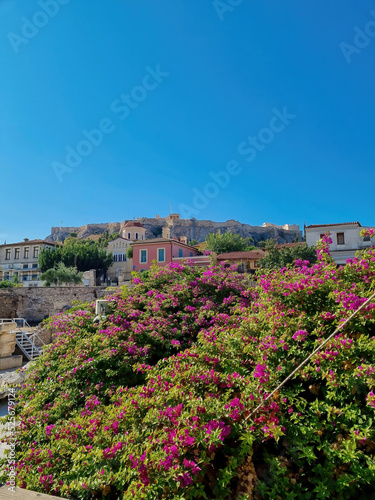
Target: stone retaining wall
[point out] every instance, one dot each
(34, 304)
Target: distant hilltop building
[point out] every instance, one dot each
(287, 227)
(173, 227)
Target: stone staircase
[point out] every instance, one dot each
(27, 338)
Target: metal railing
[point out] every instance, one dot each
(25, 336)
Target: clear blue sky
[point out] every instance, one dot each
(221, 74)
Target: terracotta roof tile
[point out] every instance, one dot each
(133, 224)
(163, 240)
(290, 245)
(249, 254)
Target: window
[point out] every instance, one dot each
(17, 253)
(340, 239)
(35, 266)
(191, 254)
(367, 238)
(322, 236)
(24, 277)
(25, 266)
(137, 236)
(143, 256)
(129, 236)
(143, 236)
(7, 254)
(26, 253)
(180, 252)
(34, 277)
(36, 252)
(161, 254)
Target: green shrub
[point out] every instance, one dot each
(156, 401)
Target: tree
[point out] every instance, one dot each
(49, 257)
(129, 253)
(105, 238)
(228, 242)
(82, 254)
(193, 242)
(276, 259)
(61, 274)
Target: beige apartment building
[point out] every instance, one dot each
(20, 261)
(122, 266)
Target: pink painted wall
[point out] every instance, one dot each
(171, 251)
(152, 254)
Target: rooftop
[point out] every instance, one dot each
(290, 245)
(119, 238)
(133, 224)
(31, 242)
(164, 240)
(337, 224)
(249, 254)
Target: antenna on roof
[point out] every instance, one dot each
(170, 204)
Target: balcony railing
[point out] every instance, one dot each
(18, 266)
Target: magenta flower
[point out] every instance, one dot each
(300, 335)
(261, 373)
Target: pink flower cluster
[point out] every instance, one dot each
(300, 335)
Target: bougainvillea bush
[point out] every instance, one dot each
(157, 400)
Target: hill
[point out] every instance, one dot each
(191, 228)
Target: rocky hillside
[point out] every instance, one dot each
(191, 228)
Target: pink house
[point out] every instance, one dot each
(164, 251)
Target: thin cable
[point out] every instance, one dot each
(311, 355)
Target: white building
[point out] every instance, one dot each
(346, 239)
(19, 261)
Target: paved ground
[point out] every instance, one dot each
(21, 494)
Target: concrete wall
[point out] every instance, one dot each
(34, 304)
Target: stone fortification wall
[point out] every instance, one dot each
(34, 304)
